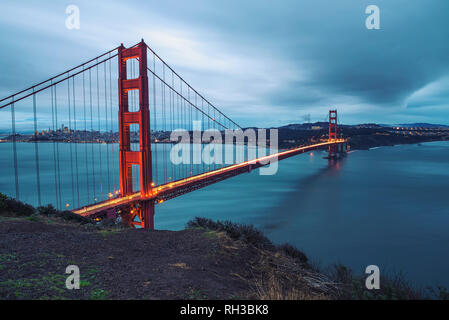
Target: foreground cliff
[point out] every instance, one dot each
(137, 264)
(207, 260)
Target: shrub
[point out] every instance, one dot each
(48, 210)
(15, 207)
(3, 198)
(293, 252)
(440, 293)
(392, 287)
(237, 231)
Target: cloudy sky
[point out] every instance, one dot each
(264, 63)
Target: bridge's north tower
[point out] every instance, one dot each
(333, 128)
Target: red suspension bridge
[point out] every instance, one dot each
(88, 160)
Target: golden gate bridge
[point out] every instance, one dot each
(91, 176)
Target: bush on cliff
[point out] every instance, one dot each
(9, 205)
(49, 210)
(13, 207)
(248, 234)
(237, 231)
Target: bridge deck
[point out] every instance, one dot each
(179, 187)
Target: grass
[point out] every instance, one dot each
(7, 257)
(275, 289)
(99, 294)
(50, 285)
(40, 283)
(32, 218)
(195, 294)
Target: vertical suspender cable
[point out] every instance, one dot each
(70, 143)
(36, 152)
(202, 129)
(57, 150)
(99, 133)
(196, 119)
(112, 125)
(190, 129)
(92, 134)
(180, 127)
(107, 129)
(86, 157)
(54, 141)
(164, 124)
(76, 144)
(155, 120)
(14, 148)
(171, 122)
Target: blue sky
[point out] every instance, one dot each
(264, 63)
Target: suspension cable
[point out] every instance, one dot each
(189, 85)
(57, 82)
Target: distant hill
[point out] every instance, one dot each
(324, 125)
(305, 126)
(422, 125)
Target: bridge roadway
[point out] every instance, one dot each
(176, 188)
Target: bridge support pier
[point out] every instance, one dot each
(333, 151)
(147, 214)
(337, 151)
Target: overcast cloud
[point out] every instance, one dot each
(264, 63)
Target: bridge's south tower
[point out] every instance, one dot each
(141, 158)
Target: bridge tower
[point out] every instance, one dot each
(127, 157)
(333, 129)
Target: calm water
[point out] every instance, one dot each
(388, 206)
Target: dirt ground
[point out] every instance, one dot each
(125, 263)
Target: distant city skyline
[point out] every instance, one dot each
(262, 63)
